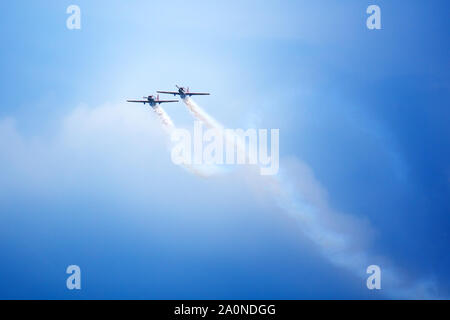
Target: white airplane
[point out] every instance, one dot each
(184, 92)
(152, 100)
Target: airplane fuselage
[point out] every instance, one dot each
(151, 101)
(181, 93)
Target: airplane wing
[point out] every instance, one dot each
(141, 101)
(196, 94)
(169, 92)
(165, 101)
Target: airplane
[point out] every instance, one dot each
(152, 100)
(184, 92)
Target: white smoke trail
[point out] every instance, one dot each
(201, 115)
(212, 123)
(340, 238)
(166, 121)
(169, 127)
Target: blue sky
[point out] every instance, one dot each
(87, 180)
